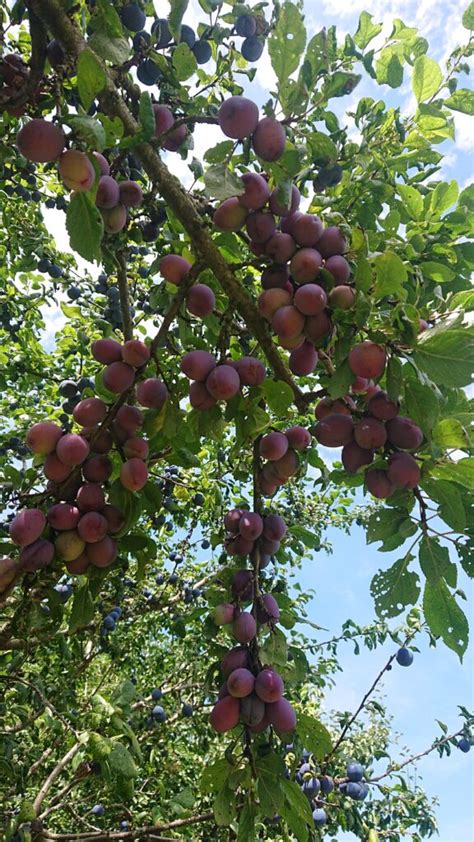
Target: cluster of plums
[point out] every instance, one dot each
(200, 299)
(212, 382)
(247, 531)
(110, 620)
(239, 118)
(251, 27)
(282, 461)
(379, 427)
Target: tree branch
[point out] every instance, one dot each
(53, 775)
(149, 832)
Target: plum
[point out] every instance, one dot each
(40, 141)
(238, 117)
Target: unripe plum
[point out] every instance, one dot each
(269, 139)
(334, 430)
(370, 433)
(303, 359)
(223, 382)
(63, 516)
(27, 526)
(108, 194)
(260, 226)
(353, 457)
(269, 686)
(338, 268)
(135, 353)
(103, 553)
(328, 406)
(199, 397)
(37, 555)
(298, 437)
(69, 544)
(252, 710)
(76, 170)
(318, 327)
(244, 627)
(131, 194)
(280, 209)
(43, 437)
(310, 299)
(223, 614)
(235, 658)
(273, 446)
(251, 371)
(230, 215)
(307, 230)
(288, 322)
(8, 570)
(174, 268)
(106, 351)
(257, 191)
(114, 517)
(272, 300)
(332, 242)
(225, 714)
(274, 527)
(342, 297)
(115, 219)
(130, 418)
(281, 715)
(133, 474)
(72, 449)
(152, 393)
(118, 377)
(305, 265)
(40, 141)
(238, 117)
(232, 520)
(404, 433)
(367, 359)
(287, 466)
(90, 497)
(201, 300)
(268, 610)
(136, 446)
(89, 412)
(280, 247)
(250, 526)
(240, 683)
(382, 407)
(275, 276)
(198, 364)
(54, 469)
(403, 470)
(379, 484)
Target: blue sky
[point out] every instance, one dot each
(436, 683)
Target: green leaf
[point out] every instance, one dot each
(363, 275)
(427, 78)
(412, 200)
(444, 196)
(90, 130)
(175, 17)
(394, 378)
(309, 539)
(219, 153)
(449, 432)
(91, 77)
(468, 17)
(115, 50)
(389, 69)
(323, 149)
(451, 508)
(314, 735)
(122, 763)
(109, 18)
(287, 42)
(224, 806)
(296, 813)
(221, 183)
(279, 395)
(437, 271)
(444, 616)
(82, 612)
(316, 55)
(85, 227)
(391, 274)
(184, 62)
(366, 30)
(147, 116)
(394, 589)
(461, 100)
(421, 404)
(340, 84)
(340, 381)
(214, 774)
(435, 562)
(446, 357)
(246, 831)
(461, 472)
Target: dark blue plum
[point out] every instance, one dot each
(319, 817)
(404, 657)
(202, 51)
(159, 713)
(464, 745)
(311, 788)
(141, 40)
(98, 810)
(246, 26)
(327, 784)
(156, 694)
(148, 73)
(162, 29)
(133, 17)
(355, 771)
(187, 709)
(187, 36)
(252, 49)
